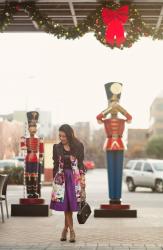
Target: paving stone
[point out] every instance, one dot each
(137, 248)
(21, 247)
(120, 248)
(138, 245)
(89, 248)
(40, 247)
(154, 248)
(5, 248)
(36, 248)
(104, 248)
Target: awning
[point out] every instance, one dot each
(71, 13)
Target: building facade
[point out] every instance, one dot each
(156, 117)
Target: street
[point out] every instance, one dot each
(144, 232)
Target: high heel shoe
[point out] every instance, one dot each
(64, 235)
(72, 236)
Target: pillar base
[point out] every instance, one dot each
(31, 201)
(115, 210)
(114, 206)
(30, 207)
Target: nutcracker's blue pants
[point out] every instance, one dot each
(114, 170)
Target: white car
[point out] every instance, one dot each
(10, 163)
(144, 173)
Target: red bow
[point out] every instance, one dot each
(114, 19)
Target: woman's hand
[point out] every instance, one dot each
(72, 158)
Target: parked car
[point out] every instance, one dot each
(89, 165)
(8, 163)
(20, 160)
(144, 173)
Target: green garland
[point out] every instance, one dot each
(158, 35)
(135, 29)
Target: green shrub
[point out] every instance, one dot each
(154, 148)
(16, 175)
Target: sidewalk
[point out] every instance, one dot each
(97, 233)
(83, 247)
(144, 232)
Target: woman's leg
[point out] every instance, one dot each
(65, 229)
(66, 220)
(72, 232)
(71, 220)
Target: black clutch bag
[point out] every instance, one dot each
(83, 213)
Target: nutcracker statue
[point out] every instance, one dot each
(114, 128)
(33, 147)
(34, 156)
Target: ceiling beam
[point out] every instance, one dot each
(85, 1)
(159, 19)
(35, 25)
(98, 1)
(73, 12)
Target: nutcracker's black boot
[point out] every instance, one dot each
(34, 187)
(29, 187)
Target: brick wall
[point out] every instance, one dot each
(48, 174)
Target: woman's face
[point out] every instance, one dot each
(63, 137)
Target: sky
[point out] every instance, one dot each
(67, 77)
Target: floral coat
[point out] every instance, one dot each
(78, 168)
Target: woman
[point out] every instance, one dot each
(69, 177)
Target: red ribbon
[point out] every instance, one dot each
(17, 7)
(114, 19)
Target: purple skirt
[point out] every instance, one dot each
(70, 202)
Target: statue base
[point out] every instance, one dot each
(31, 201)
(30, 207)
(115, 211)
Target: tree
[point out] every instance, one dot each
(137, 151)
(10, 133)
(94, 150)
(154, 148)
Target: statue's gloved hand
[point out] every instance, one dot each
(114, 105)
(100, 117)
(128, 121)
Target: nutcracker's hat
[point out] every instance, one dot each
(32, 118)
(113, 90)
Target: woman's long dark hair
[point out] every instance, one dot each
(74, 143)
